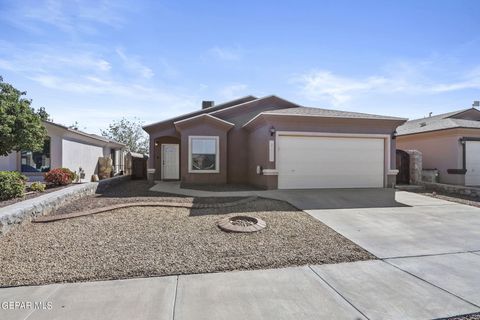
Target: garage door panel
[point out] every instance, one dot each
(330, 162)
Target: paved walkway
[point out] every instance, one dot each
(430, 252)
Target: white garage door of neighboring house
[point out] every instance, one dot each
(330, 162)
(472, 159)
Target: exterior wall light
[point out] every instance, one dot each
(272, 131)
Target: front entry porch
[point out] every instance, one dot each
(167, 158)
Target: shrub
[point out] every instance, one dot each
(72, 174)
(12, 185)
(59, 177)
(37, 186)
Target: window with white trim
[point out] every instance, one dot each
(203, 154)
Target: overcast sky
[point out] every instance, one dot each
(96, 61)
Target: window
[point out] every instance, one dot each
(203, 154)
(36, 161)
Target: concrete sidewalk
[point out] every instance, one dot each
(359, 290)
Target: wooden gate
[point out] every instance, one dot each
(403, 166)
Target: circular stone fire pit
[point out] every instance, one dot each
(241, 224)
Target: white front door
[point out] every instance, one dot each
(170, 162)
(330, 162)
(472, 161)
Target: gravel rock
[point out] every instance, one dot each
(473, 316)
(150, 241)
(132, 191)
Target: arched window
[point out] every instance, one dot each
(37, 161)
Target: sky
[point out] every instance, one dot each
(98, 61)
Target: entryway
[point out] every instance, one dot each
(170, 161)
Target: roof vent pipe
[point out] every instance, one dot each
(207, 104)
(476, 104)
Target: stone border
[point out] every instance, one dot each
(451, 188)
(43, 219)
(227, 225)
(19, 212)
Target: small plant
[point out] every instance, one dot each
(72, 174)
(37, 186)
(12, 185)
(59, 177)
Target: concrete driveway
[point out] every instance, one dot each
(425, 226)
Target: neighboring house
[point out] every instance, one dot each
(273, 143)
(449, 142)
(65, 147)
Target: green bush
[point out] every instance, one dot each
(37, 186)
(12, 185)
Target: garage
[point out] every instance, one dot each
(472, 163)
(330, 162)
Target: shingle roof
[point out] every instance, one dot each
(328, 113)
(91, 135)
(437, 122)
(206, 110)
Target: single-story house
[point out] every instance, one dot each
(68, 148)
(449, 142)
(273, 143)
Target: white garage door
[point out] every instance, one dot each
(472, 159)
(330, 162)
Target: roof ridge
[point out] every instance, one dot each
(206, 110)
(441, 115)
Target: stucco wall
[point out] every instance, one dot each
(77, 154)
(9, 162)
(204, 129)
(440, 150)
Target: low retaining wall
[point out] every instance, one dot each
(451, 188)
(15, 214)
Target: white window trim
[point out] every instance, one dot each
(217, 155)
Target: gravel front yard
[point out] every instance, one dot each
(155, 241)
(130, 192)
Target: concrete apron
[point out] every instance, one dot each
(304, 199)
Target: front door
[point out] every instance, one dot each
(170, 162)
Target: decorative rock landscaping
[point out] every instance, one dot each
(142, 204)
(15, 214)
(154, 241)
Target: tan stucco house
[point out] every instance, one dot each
(67, 148)
(449, 142)
(273, 143)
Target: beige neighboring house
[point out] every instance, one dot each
(67, 148)
(449, 142)
(273, 143)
